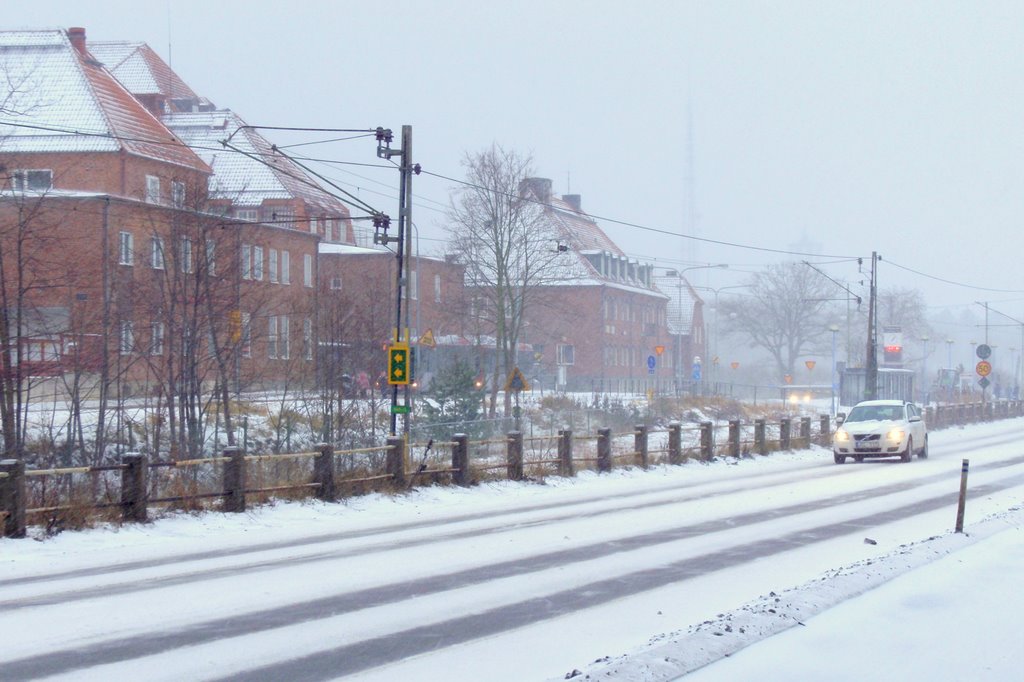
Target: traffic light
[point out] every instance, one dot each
(399, 365)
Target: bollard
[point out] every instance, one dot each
(133, 487)
(565, 465)
(395, 461)
(675, 443)
(640, 444)
(962, 503)
(234, 480)
(514, 456)
(604, 450)
(760, 444)
(460, 459)
(784, 437)
(707, 441)
(805, 432)
(323, 472)
(734, 437)
(825, 429)
(12, 497)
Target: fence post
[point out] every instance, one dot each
(640, 444)
(759, 440)
(234, 480)
(707, 444)
(514, 456)
(734, 437)
(825, 429)
(133, 487)
(323, 472)
(460, 459)
(805, 432)
(785, 441)
(675, 443)
(12, 497)
(604, 450)
(565, 465)
(395, 461)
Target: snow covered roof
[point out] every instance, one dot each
(682, 300)
(63, 100)
(250, 170)
(140, 69)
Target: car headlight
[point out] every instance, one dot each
(842, 436)
(895, 434)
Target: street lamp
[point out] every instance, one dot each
(924, 369)
(679, 303)
(833, 328)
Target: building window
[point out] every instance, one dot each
(565, 354)
(126, 252)
(307, 339)
(251, 215)
(186, 255)
(178, 193)
(414, 289)
(257, 263)
(211, 257)
(286, 268)
(152, 189)
(329, 229)
(272, 337)
(127, 339)
(31, 180)
(156, 253)
(437, 288)
(246, 264)
(156, 344)
(313, 224)
(284, 217)
(284, 337)
(272, 255)
(336, 283)
(307, 270)
(246, 340)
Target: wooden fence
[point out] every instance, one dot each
(132, 486)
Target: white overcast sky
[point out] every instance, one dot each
(838, 128)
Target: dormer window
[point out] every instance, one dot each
(31, 180)
(178, 194)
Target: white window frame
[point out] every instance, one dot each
(246, 339)
(284, 344)
(126, 248)
(152, 189)
(156, 253)
(251, 215)
(307, 270)
(336, 283)
(272, 265)
(437, 288)
(178, 194)
(286, 267)
(565, 354)
(414, 288)
(257, 263)
(156, 338)
(126, 340)
(28, 179)
(246, 261)
(211, 257)
(186, 255)
(307, 339)
(272, 337)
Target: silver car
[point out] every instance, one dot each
(880, 428)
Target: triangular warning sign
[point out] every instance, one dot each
(427, 339)
(516, 381)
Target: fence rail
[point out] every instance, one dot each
(463, 462)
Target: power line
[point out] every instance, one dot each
(949, 281)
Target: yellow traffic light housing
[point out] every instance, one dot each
(399, 365)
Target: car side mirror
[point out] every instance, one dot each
(915, 418)
(840, 418)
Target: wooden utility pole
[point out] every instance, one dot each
(871, 360)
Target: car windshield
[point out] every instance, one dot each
(882, 413)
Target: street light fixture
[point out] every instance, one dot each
(924, 369)
(678, 274)
(834, 328)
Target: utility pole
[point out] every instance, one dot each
(871, 361)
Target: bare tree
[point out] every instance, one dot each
(787, 313)
(506, 241)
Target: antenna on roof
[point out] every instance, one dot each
(170, 57)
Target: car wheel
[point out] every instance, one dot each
(924, 451)
(909, 452)
(858, 458)
(839, 459)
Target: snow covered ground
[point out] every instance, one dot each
(942, 608)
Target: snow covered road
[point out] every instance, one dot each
(504, 581)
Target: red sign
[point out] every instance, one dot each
(658, 350)
(809, 364)
(983, 368)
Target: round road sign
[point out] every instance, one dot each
(984, 351)
(983, 368)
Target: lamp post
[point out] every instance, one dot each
(924, 370)
(679, 303)
(833, 328)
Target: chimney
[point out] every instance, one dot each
(539, 187)
(77, 37)
(573, 200)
